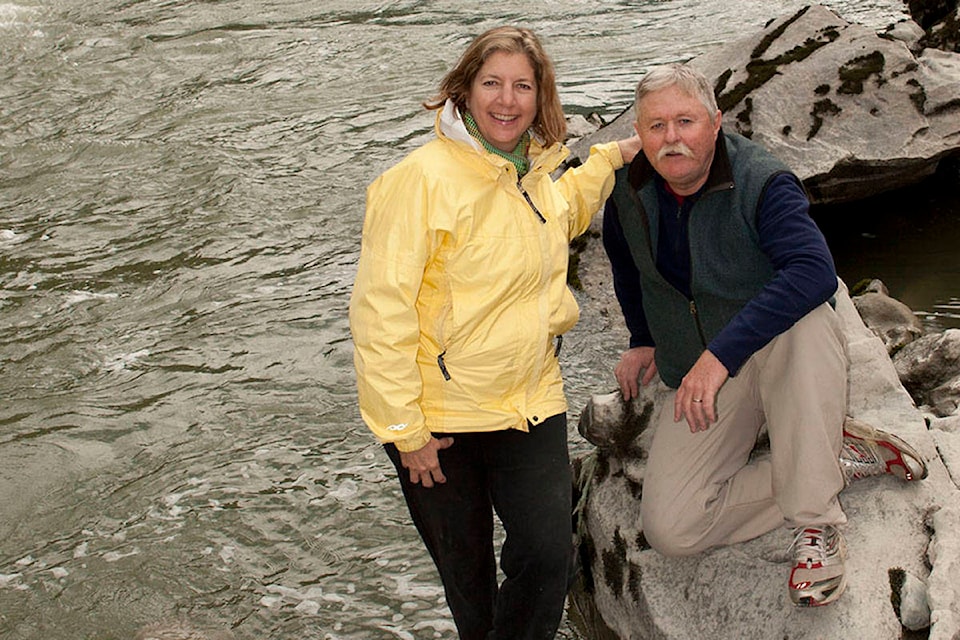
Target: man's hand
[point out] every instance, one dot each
(696, 398)
(424, 464)
(627, 372)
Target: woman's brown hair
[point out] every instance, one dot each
(549, 124)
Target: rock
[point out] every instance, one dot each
(946, 434)
(910, 601)
(579, 126)
(945, 35)
(616, 426)
(941, 21)
(852, 113)
(739, 591)
(891, 320)
(908, 32)
(943, 554)
(929, 13)
(930, 370)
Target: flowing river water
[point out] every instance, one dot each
(181, 197)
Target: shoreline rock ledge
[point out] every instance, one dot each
(854, 113)
(903, 539)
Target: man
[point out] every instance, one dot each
(725, 283)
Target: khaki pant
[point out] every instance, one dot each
(701, 490)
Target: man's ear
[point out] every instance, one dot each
(717, 121)
(636, 126)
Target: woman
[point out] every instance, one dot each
(456, 313)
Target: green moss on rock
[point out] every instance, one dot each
(855, 72)
(897, 577)
(760, 71)
(825, 107)
(744, 125)
(918, 96)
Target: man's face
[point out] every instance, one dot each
(679, 136)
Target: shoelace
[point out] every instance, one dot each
(860, 461)
(810, 546)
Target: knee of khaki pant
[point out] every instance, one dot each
(673, 531)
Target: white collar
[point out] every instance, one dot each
(452, 126)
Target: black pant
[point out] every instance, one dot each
(525, 477)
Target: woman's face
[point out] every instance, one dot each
(503, 99)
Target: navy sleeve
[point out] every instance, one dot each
(805, 274)
(626, 277)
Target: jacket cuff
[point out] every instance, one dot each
(610, 150)
(414, 442)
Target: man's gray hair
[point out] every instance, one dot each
(684, 77)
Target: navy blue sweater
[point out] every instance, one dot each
(788, 236)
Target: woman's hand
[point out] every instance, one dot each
(424, 463)
(629, 148)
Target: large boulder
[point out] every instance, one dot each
(904, 557)
(852, 112)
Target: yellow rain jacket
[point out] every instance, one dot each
(461, 287)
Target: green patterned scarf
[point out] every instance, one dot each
(518, 156)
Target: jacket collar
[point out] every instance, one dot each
(449, 125)
(720, 177)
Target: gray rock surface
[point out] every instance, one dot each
(903, 539)
(852, 112)
(930, 370)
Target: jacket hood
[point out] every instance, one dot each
(450, 125)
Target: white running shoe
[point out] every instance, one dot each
(871, 452)
(818, 575)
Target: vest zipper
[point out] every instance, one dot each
(696, 320)
(530, 202)
(693, 304)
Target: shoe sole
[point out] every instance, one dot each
(808, 601)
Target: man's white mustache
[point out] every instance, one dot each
(674, 148)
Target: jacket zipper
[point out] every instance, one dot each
(530, 202)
